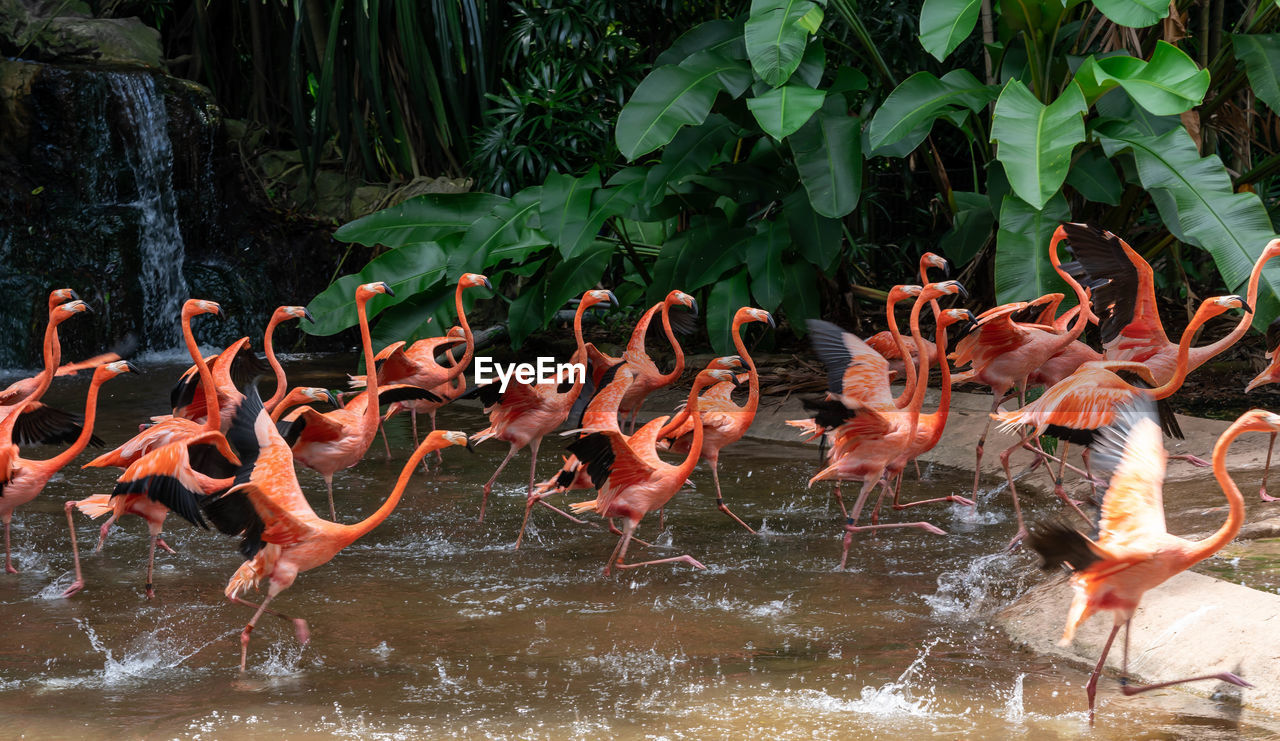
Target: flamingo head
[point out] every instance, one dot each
(931, 260)
(473, 280)
(591, 298)
(313, 393)
(367, 291)
(904, 292)
(197, 306)
(60, 296)
(445, 438)
(292, 312)
(752, 314)
(1222, 304)
(953, 316)
(1258, 420)
(728, 362)
(1271, 250)
(680, 297)
(456, 333)
(66, 311)
(712, 376)
(111, 370)
(945, 288)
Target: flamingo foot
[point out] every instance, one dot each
(1264, 496)
(1194, 460)
(720, 505)
(75, 587)
(1130, 690)
(1016, 543)
(674, 559)
(301, 631)
(949, 498)
(8, 569)
(925, 526)
(160, 542)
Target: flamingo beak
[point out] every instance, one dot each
(769, 318)
(387, 290)
(132, 368)
(693, 306)
(306, 314)
(487, 284)
(333, 399)
(613, 300)
(960, 291)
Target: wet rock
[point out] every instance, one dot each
(68, 32)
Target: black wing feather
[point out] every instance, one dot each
(596, 453)
(1099, 253)
(168, 491)
(41, 424)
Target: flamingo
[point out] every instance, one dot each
(1130, 323)
(338, 440)
(723, 421)
(38, 422)
(22, 479)
(300, 395)
(523, 414)
(1088, 399)
(891, 345)
(1133, 551)
(869, 431)
(647, 376)
(448, 391)
(282, 535)
(168, 430)
(1004, 354)
(632, 480)
(929, 427)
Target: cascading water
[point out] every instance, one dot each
(160, 248)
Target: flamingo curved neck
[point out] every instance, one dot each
(363, 527)
(676, 371)
(86, 429)
(370, 366)
(635, 344)
(1082, 318)
(212, 420)
(753, 377)
(269, 348)
(1201, 550)
(1183, 367)
(944, 402)
(909, 368)
(52, 355)
(291, 399)
(1202, 355)
(470, 350)
(922, 377)
(695, 446)
(577, 328)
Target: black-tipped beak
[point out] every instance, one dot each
(947, 265)
(1245, 305)
(471, 446)
(387, 290)
(693, 306)
(132, 368)
(613, 300)
(87, 308)
(769, 318)
(74, 296)
(333, 399)
(488, 284)
(737, 382)
(306, 314)
(961, 292)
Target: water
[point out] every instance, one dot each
(434, 627)
(160, 247)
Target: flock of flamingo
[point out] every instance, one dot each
(224, 457)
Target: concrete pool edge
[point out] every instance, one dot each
(1191, 625)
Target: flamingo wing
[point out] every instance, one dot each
(165, 475)
(1133, 508)
(610, 460)
(396, 365)
(853, 368)
(311, 426)
(1126, 302)
(39, 423)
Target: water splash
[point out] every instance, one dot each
(150, 156)
(150, 656)
(985, 585)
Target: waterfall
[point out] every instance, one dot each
(149, 153)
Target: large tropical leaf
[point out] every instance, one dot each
(783, 110)
(567, 280)
(697, 256)
(1169, 83)
(417, 220)
(801, 300)
(776, 34)
(693, 151)
(674, 96)
(427, 314)
(1036, 139)
(764, 263)
(1133, 13)
(408, 270)
(1261, 56)
(828, 152)
(723, 36)
(816, 237)
(1093, 175)
(946, 23)
(971, 229)
(503, 233)
(566, 210)
(905, 117)
(727, 296)
(1199, 204)
(1023, 270)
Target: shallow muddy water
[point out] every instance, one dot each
(433, 626)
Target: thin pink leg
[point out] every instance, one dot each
(982, 441)
(720, 505)
(1091, 688)
(1130, 690)
(78, 584)
(851, 526)
(1262, 493)
(328, 482)
(300, 629)
(382, 428)
(300, 626)
(151, 565)
(630, 528)
(106, 528)
(8, 561)
(1194, 460)
(488, 485)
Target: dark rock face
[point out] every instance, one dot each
(121, 185)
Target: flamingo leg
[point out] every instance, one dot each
(160, 542)
(8, 561)
(948, 498)
(328, 482)
(151, 565)
(106, 528)
(432, 415)
(1013, 490)
(300, 626)
(382, 428)
(919, 476)
(850, 526)
(1091, 688)
(488, 485)
(1194, 460)
(1262, 493)
(982, 441)
(78, 584)
(301, 631)
(537, 498)
(627, 531)
(720, 505)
